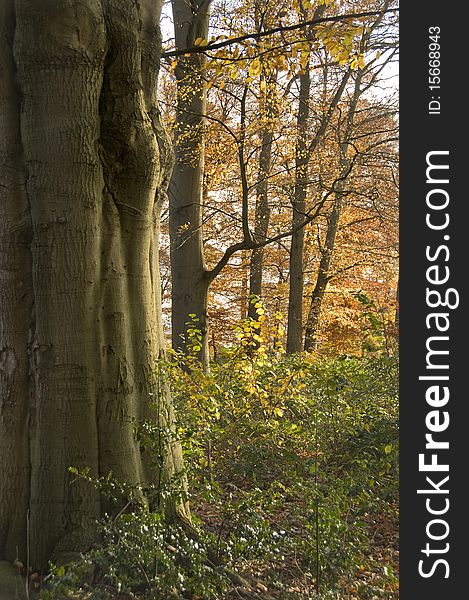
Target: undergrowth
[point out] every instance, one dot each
(292, 465)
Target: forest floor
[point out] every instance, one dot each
(311, 490)
(292, 464)
(376, 577)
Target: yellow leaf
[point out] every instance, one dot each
(255, 68)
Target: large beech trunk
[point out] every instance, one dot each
(83, 165)
(188, 271)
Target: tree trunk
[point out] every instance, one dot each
(243, 300)
(188, 269)
(268, 80)
(322, 279)
(83, 166)
(262, 219)
(295, 299)
(303, 153)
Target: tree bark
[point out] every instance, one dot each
(262, 211)
(323, 277)
(303, 153)
(262, 218)
(189, 281)
(84, 164)
(295, 299)
(243, 300)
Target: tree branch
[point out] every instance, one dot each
(261, 34)
(251, 244)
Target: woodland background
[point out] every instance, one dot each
(295, 173)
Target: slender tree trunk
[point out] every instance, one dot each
(189, 281)
(262, 218)
(295, 300)
(83, 165)
(303, 153)
(323, 277)
(345, 164)
(243, 300)
(262, 212)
